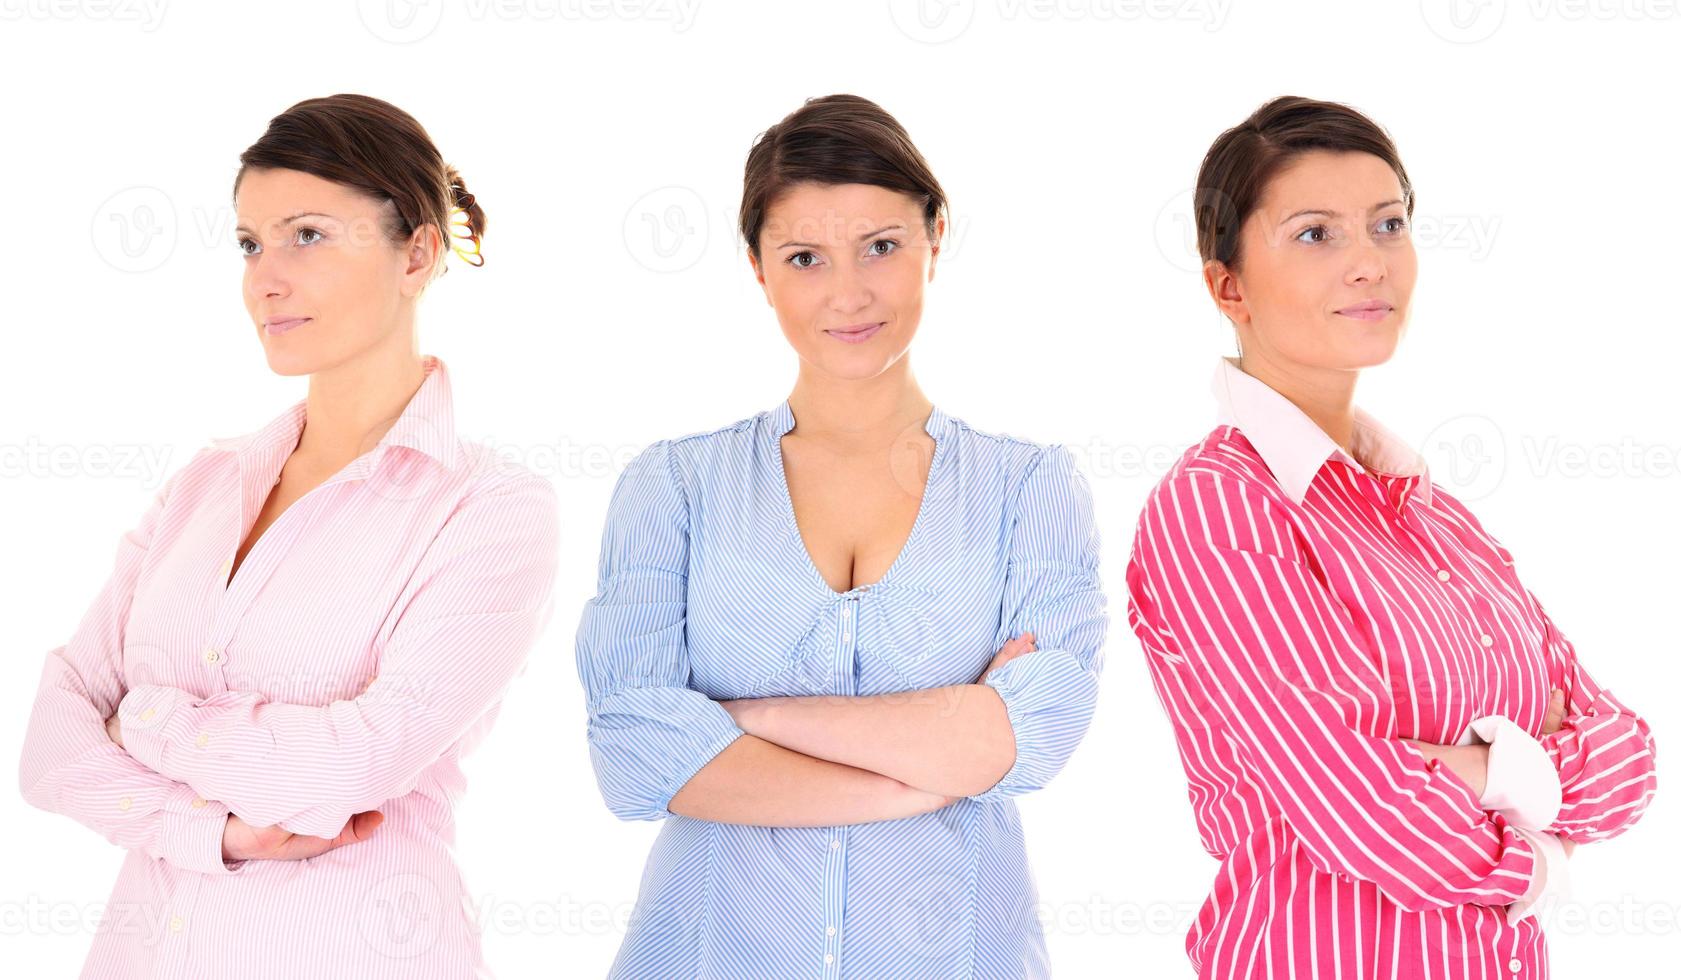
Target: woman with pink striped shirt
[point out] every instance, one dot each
(268, 701)
(1389, 745)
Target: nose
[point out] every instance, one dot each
(849, 290)
(265, 278)
(1366, 265)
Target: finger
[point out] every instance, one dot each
(1555, 713)
(358, 828)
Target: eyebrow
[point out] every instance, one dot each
(1333, 214)
(896, 226)
(300, 214)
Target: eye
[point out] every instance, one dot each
(1399, 224)
(795, 260)
(1319, 232)
(890, 243)
(310, 231)
(244, 242)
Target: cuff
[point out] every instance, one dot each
(1523, 784)
(1550, 882)
(143, 712)
(192, 838)
(1048, 696)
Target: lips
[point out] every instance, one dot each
(855, 334)
(1369, 310)
(279, 325)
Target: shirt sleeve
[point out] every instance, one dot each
(1605, 754)
(1231, 610)
(69, 763)
(1052, 588)
(649, 732)
(476, 602)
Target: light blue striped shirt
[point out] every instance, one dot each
(707, 593)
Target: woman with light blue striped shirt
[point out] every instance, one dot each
(829, 654)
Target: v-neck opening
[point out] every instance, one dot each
(929, 426)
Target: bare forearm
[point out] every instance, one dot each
(756, 782)
(953, 741)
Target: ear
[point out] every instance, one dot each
(423, 249)
(1226, 290)
(935, 244)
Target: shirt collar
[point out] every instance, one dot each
(781, 421)
(1294, 447)
(427, 425)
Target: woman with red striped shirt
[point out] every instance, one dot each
(1389, 745)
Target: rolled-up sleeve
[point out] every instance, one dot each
(649, 732)
(70, 765)
(1053, 589)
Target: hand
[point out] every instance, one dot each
(1016, 647)
(1470, 762)
(114, 728)
(243, 842)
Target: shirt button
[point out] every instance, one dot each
(176, 923)
(834, 845)
(1487, 640)
(846, 637)
(1444, 575)
(198, 801)
(147, 714)
(831, 930)
(227, 567)
(212, 655)
(1514, 964)
(828, 957)
(124, 803)
(203, 740)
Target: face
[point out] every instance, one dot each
(323, 282)
(844, 266)
(1326, 267)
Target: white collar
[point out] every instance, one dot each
(1294, 447)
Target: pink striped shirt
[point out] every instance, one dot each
(361, 649)
(1300, 613)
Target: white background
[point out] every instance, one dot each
(1538, 375)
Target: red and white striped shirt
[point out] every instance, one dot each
(1300, 613)
(362, 647)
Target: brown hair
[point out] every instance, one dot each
(376, 148)
(1244, 158)
(835, 139)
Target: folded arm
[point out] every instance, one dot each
(658, 746)
(1227, 609)
(69, 764)
(1014, 729)
(475, 604)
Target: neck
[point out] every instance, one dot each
(1325, 395)
(352, 405)
(858, 415)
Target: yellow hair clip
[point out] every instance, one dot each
(458, 219)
